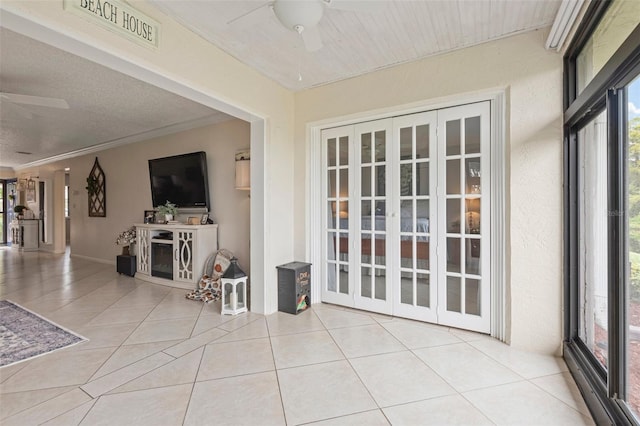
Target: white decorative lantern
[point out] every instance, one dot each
(234, 290)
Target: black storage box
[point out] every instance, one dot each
(126, 264)
(294, 287)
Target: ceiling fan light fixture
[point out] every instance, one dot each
(293, 13)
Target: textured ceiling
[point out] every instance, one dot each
(105, 105)
(378, 35)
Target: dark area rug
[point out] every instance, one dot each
(24, 334)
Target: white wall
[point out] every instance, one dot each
(532, 78)
(188, 65)
(128, 191)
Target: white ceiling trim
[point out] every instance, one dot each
(168, 130)
(564, 21)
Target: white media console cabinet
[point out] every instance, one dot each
(174, 255)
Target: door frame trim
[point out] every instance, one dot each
(500, 309)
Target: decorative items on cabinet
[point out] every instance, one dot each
(19, 210)
(127, 239)
(234, 289)
(96, 190)
(168, 210)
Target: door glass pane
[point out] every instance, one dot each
(344, 183)
(472, 222)
(344, 150)
(331, 246)
(366, 148)
(633, 200)
(453, 294)
(332, 215)
(472, 263)
(453, 177)
(366, 182)
(332, 278)
(331, 184)
(472, 135)
(380, 284)
(365, 223)
(344, 214)
(593, 236)
(406, 179)
(344, 279)
(406, 287)
(453, 254)
(331, 152)
(342, 267)
(380, 181)
(453, 137)
(422, 141)
(366, 279)
(422, 213)
(381, 153)
(406, 251)
(381, 210)
(453, 216)
(422, 178)
(422, 290)
(379, 250)
(365, 244)
(406, 143)
(406, 213)
(472, 296)
(473, 176)
(380, 222)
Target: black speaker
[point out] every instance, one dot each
(126, 265)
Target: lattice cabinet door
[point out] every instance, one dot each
(144, 250)
(183, 266)
(96, 189)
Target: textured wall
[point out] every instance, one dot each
(532, 79)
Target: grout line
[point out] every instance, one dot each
(193, 385)
(275, 370)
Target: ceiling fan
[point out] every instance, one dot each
(303, 16)
(15, 100)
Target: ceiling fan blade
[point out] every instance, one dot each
(35, 100)
(312, 39)
(249, 12)
(24, 113)
(357, 5)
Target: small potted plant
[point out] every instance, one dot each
(168, 210)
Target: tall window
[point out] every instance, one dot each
(602, 205)
(66, 201)
(633, 244)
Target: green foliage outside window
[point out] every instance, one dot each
(634, 208)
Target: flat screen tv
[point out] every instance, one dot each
(180, 179)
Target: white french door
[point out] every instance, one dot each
(405, 218)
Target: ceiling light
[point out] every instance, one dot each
(292, 14)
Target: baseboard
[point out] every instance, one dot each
(94, 259)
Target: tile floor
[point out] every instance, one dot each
(156, 358)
